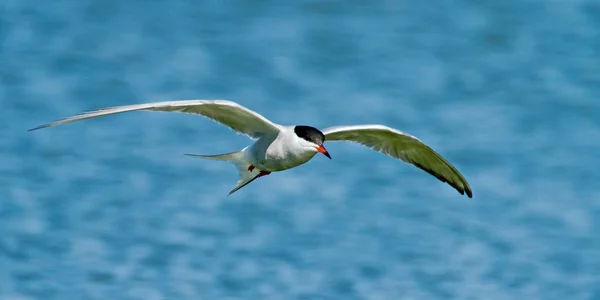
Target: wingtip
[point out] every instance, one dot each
(466, 190)
(36, 128)
(463, 189)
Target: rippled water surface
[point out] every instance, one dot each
(508, 91)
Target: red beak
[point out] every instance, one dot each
(323, 150)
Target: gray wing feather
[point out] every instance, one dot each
(228, 113)
(402, 146)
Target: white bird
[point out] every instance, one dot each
(277, 147)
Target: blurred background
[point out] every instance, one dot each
(109, 208)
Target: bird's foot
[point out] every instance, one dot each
(263, 173)
(250, 168)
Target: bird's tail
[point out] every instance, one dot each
(241, 162)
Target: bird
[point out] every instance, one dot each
(281, 147)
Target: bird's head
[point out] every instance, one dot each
(311, 138)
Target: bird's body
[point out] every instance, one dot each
(278, 148)
(278, 153)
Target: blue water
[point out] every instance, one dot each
(508, 91)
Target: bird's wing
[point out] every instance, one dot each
(402, 146)
(228, 113)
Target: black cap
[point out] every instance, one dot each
(310, 134)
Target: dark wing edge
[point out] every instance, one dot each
(372, 136)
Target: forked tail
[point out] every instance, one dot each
(241, 163)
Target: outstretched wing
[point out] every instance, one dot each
(404, 147)
(228, 113)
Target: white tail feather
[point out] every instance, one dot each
(241, 162)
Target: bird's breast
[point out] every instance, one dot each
(278, 157)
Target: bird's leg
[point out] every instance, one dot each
(250, 168)
(263, 173)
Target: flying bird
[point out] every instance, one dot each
(278, 147)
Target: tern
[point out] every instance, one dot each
(278, 147)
